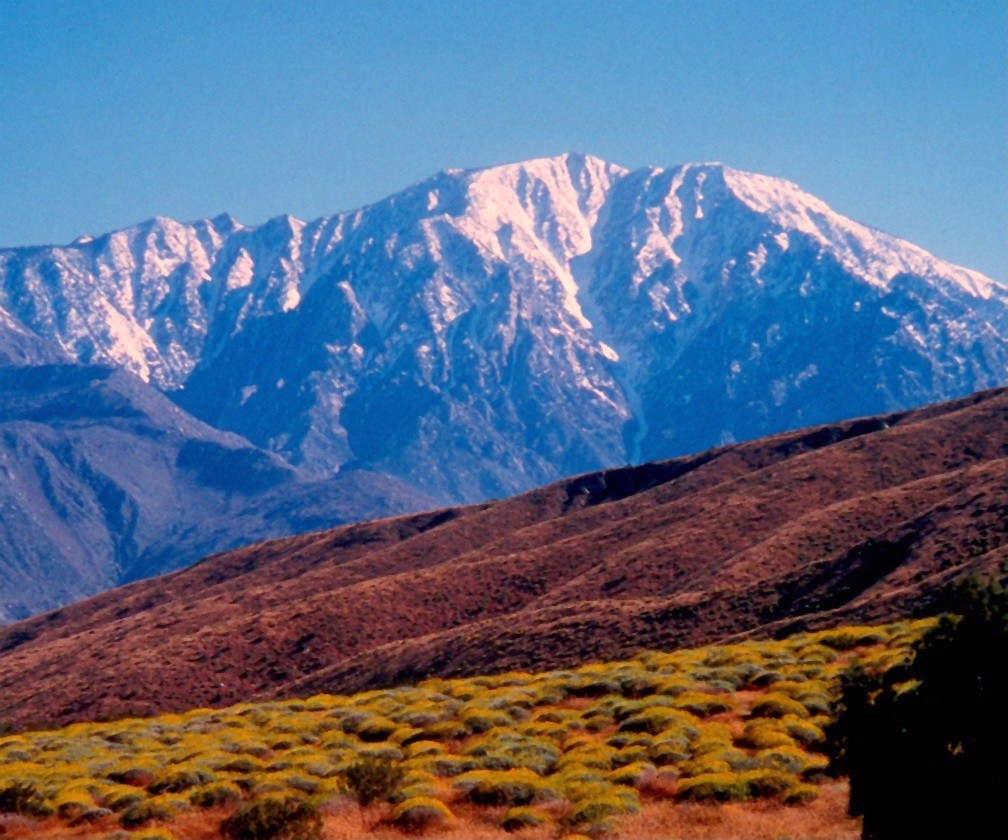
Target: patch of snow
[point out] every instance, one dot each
(608, 352)
(806, 374)
(241, 273)
(291, 298)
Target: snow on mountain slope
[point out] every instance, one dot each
(488, 330)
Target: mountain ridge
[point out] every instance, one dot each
(106, 480)
(862, 520)
(487, 331)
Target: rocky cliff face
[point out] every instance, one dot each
(489, 330)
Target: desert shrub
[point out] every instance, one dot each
(274, 818)
(846, 638)
(596, 809)
(371, 779)
(773, 705)
(152, 834)
(815, 702)
(242, 764)
(451, 765)
(587, 755)
(545, 729)
(702, 705)
(446, 730)
(658, 719)
(596, 721)
(122, 797)
(506, 750)
(664, 753)
(505, 787)
(712, 738)
(622, 740)
(630, 755)
(817, 653)
(302, 784)
(23, 798)
(592, 685)
(716, 787)
(72, 803)
(705, 765)
(419, 748)
(786, 758)
(764, 678)
(483, 720)
(803, 731)
(768, 782)
(932, 731)
(800, 794)
(633, 774)
(515, 819)
(325, 770)
(412, 791)
(738, 759)
(142, 812)
(133, 775)
(420, 813)
(181, 779)
(673, 686)
(253, 748)
(215, 794)
(375, 729)
(765, 733)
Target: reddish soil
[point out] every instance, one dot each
(861, 520)
(658, 819)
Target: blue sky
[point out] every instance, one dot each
(893, 112)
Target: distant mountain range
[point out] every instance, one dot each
(106, 480)
(866, 520)
(473, 336)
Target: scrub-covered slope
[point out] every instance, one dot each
(858, 520)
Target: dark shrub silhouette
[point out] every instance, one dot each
(925, 745)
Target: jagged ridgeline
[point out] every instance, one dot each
(615, 746)
(491, 330)
(473, 336)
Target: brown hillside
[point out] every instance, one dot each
(856, 520)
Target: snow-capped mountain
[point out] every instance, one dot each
(489, 330)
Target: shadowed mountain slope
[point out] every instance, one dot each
(856, 520)
(104, 480)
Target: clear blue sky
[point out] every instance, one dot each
(893, 112)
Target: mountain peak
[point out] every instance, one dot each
(524, 321)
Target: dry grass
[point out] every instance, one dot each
(824, 819)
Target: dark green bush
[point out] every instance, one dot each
(420, 813)
(181, 779)
(215, 795)
(274, 818)
(924, 744)
(714, 787)
(371, 779)
(23, 798)
(141, 813)
(506, 787)
(523, 817)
